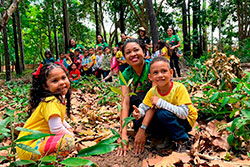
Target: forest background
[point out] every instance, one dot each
(203, 25)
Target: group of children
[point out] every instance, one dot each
(50, 95)
(101, 62)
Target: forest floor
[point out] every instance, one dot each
(92, 121)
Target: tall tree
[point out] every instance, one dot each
(6, 15)
(243, 19)
(20, 39)
(195, 7)
(122, 23)
(184, 29)
(153, 22)
(17, 66)
(55, 31)
(6, 54)
(96, 20)
(66, 25)
(102, 20)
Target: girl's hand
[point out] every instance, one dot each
(122, 151)
(136, 113)
(154, 100)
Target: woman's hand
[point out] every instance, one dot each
(140, 140)
(122, 151)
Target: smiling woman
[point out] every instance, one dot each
(138, 70)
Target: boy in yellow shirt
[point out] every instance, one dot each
(170, 106)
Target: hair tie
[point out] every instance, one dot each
(37, 72)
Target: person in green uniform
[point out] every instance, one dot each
(101, 42)
(73, 46)
(137, 70)
(174, 42)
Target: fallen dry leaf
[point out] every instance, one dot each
(171, 159)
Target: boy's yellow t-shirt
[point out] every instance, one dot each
(177, 95)
(39, 121)
(165, 51)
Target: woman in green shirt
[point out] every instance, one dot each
(174, 42)
(101, 42)
(137, 70)
(73, 46)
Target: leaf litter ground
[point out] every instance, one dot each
(92, 123)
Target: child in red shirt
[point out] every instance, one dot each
(74, 75)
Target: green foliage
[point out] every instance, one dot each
(240, 128)
(9, 121)
(77, 162)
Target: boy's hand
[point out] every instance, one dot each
(136, 113)
(154, 100)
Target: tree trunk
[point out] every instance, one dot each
(102, 21)
(66, 25)
(6, 54)
(153, 22)
(50, 40)
(189, 26)
(20, 39)
(195, 30)
(18, 70)
(122, 24)
(55, 31)
(184, 29)
(96, 21)
(219, 43)
(212, 39)
(247, 19)
(116, 27)
(6, 14)
(204, 32)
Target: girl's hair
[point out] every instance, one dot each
(142, 45)
(48, 52)
(38, 92)
(162, 44)
(159, 58)
(70, 46)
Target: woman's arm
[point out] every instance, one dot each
(124, 114)
(125, 108)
